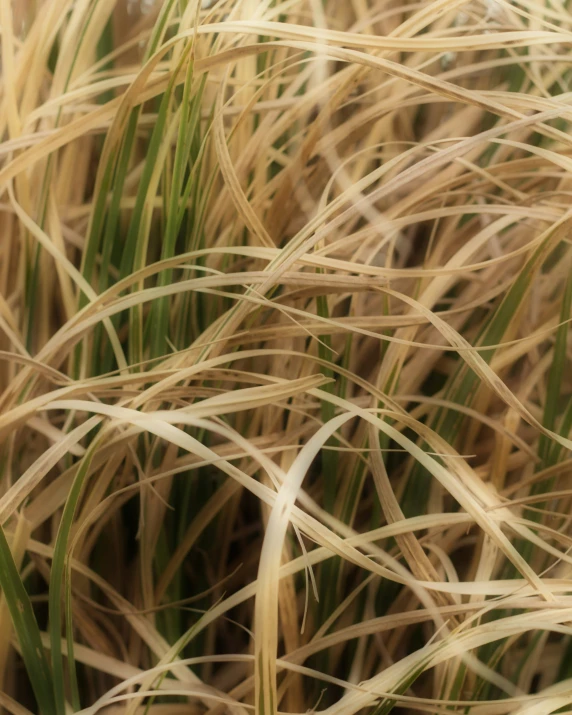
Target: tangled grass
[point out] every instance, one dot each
(286, 400)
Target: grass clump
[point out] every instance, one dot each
(285, 385)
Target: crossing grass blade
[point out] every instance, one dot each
(464, 382)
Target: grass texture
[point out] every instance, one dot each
(285, 385)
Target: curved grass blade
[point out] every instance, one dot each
(464, 382)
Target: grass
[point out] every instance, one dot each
(285, 386)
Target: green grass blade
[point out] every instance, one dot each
(26, 629)
(58, 580)
(464, 382)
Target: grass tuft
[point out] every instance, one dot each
(285, 385)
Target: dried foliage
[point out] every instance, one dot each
(285, 387)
